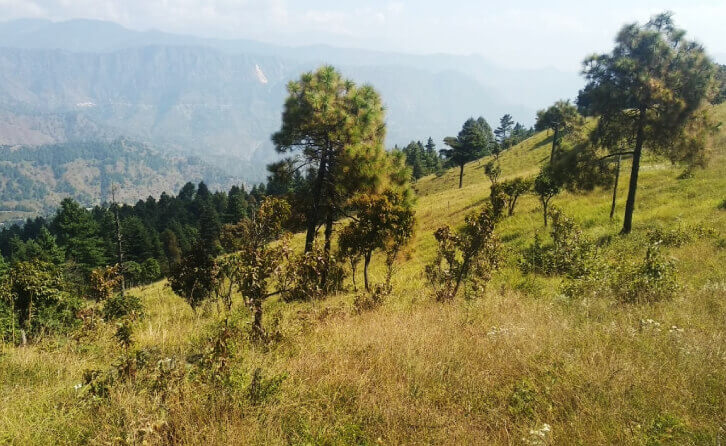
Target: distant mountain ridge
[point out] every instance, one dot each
(94, 81)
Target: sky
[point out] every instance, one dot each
(516, 34)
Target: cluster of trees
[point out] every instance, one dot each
(332, 133)
(509, 133)
(154, 233)
(476, 140)
(650, 93)
(422, 159)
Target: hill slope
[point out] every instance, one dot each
(519, 364)
(36, 179)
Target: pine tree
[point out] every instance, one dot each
(79, 235)
(562, 118)
(339, 129)
(653, 85)
(474, 141)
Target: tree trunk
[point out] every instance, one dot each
(554, 144)
(461, 176)
(326, 249)
(544, 206)
(313, 213)
(353, 268)
(258, 333)
(632, 188)
(366, 262)
(615, 187)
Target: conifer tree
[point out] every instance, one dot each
(654, 85)
(474, 141)
(562, 118)
(338, 128)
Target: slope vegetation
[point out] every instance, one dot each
(520, 364)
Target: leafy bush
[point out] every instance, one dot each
(150, 270)
(35, 300)
(194, 278)
(571, 253)
(103, 282)
(302, 280)
(649, 281)
(511, 190)
(370, 301)
(118, 306)
(467, 256)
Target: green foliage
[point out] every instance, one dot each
(465, 257)
(104, 282)
(79, 234)
(262, 389)
(511, 190)
(382, 222)
(503, 132)
(133, 273)
(571, 253)
(653, 85)
(545, 187)
(474, 141)
(302, 277)
(122, 306)
(493, 171)
(35, 293)
(194, 277)
(256, 260)
(563, 119)
(423, 160)
(650, 281)
(339, 129)
(150, 270)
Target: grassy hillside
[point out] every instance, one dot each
(520, 364)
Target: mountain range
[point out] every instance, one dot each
(218, 101)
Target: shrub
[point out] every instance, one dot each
(119, 306)
(302, 279)
(133, 273)
(511, 191)
(383, 222)
(465, 257)
(103, 282)
(34, 297)
(150, 270)
(650, 281)
(370, 301)
(194, 277)
(722, 205)
(571, 253)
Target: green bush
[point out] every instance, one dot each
(570, 253)
(119, 306)
(34, 298)
(650, 281)
(302, 280)
(150, 270)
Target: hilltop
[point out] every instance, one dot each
(520, 363)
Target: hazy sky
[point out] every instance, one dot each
(528, 33)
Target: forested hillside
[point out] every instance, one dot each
(36, 178)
